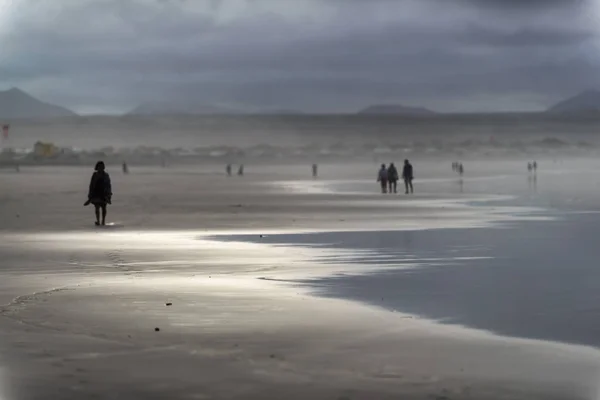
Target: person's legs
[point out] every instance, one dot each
(104, 214)
(383, 186)
(395, 186)
(97, 212)
(411, 185)
(406, 185)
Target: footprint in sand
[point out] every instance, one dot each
(117, 260)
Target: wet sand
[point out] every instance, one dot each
(81, 304)
(529, 279)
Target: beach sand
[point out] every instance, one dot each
(81, 304)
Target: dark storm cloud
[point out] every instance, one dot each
(316, 55)
(523, 4)
(527, 36)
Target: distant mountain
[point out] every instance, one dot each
(395, 109)
(15, 103)
(588, 101)
(174, 108)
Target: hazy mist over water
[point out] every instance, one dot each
(310, 137)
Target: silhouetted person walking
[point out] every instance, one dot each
(315, 170)
(100, 192)
(382, 178)
(228, 169)
(241, 170)
(125, 168)
(393, 178)
(407, 175)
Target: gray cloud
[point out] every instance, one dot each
(528, 37)
(315, 55)
(520, 4)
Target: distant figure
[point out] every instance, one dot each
(382, 178)
(535, 166)
(125, 168)
(228, 169)
(315, 170)
(241, 170)
(408, 176)
(163, 162)
(461, 169)
(529, 167)
(100, 192)
(392, 173)
(17, 168)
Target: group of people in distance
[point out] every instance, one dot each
(532, 167)
(458, 167)
(100, 189)
(388, 178)
(229, 167)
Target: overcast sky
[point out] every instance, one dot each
(107, 56)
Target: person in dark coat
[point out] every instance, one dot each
(407, 175)
(100, 191)
(382, 178)
(393, 178)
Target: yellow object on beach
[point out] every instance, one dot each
(45, 149)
